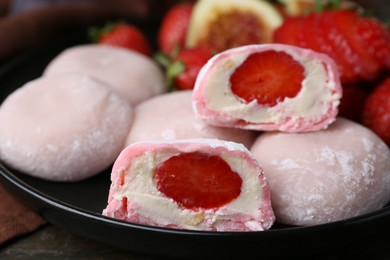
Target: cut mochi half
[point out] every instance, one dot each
(194, 184)
(268, 87)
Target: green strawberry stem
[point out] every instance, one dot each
(95, 33)
(172, 68)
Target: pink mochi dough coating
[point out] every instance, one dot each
(132, 178)
(170, 117)
(325, 176)
(315, 106)
(134, 75)
(63, 128)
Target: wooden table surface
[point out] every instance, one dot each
(51, 242)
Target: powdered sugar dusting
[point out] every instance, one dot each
(368, 144)
(286, 164)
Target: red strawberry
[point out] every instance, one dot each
(376, 39)
(173, 29)
(364, 64)
(376, 114)
(333, 33)
(287, 33)
(333, 43)
(267, 77)
(196, 180)
(122, 35)
(182, 70)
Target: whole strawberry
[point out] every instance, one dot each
(376, 38)
(122, 35)
(173, 29)
(359, 45)
(376, 114)
(183, 69)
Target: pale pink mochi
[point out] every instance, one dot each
(325, 176)
(134, 75)
(314, 107)
(63, 128)
(170, 116)
(134, 196)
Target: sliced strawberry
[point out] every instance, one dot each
(365, 65)
(267, 77)
(198, 180)
(376, 114)
(375, 38)
(174, 26)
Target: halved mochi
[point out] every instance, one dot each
(170, 117)
(196, 184)
(268, 87)
(132, 74)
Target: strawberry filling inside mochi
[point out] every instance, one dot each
(268, 87)
(267, 77)
(198, 180)
(195, 184)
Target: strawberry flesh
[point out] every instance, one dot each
(267, 77)
(196, 180)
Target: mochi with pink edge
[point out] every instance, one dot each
(170, 117)
(325, 176)
(193, 184)
(63, 128)
(268, 87)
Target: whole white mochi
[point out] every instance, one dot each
(134, 75)
(325, 176)
(63, 128)
(170, 117)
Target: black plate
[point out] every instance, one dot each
(76, 207)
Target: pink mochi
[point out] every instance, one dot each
(170, 117)
(135, 197)
(313, 108)
(325, 176)
(133, 75)
(63, 128)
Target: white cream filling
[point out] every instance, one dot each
(153, 204)
(311, 101)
